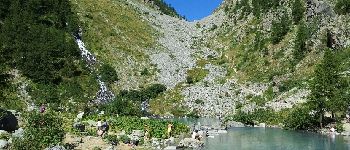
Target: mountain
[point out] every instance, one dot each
(246, 56)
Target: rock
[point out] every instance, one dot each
(18, 133)
(191, 143)
(8, 122)
(170, 141)
(56, 148)
(170, 148)
(346, 131)
(79, 126)
(234, 124)
(144, 118)
(3, 144)
(222, 131)
(2, 132)
(138, 133)
(262, 125)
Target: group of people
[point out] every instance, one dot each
(102, 127)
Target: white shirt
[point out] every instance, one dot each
(99, 123)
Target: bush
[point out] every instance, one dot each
(196, 75)
(342, 7)
(300, 42)
(298, 10)
(260, 115)
(157, 128)
(300, 119)
(280, 28)
(42, 131)
(108, 74)
(166, 8)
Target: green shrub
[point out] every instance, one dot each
(300, 119)
(298, 10)
(166, 8)
(196, 75)
(42, 131)
(280, 28)
(145, 72)
(260, 115)
(342, 7)
(300, 42)
(157, 128)
(108, 74)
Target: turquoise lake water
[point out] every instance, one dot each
(275, 139)
(250, 138)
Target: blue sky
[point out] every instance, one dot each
(194, 9)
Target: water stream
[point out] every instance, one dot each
(103, 95)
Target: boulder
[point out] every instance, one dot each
(8, 121)
(18, 133)
(56, 148)
(170, 148)
(79, 126)
(191, 143)
(138, 133)
(3, 144)
(234, 124)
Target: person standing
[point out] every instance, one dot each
(170, 126)
(99, 127)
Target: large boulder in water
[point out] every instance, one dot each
(8, 121)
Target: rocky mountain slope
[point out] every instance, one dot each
(242, 57)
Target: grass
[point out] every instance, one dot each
(197, 74)
(116, 33)
(169, 102)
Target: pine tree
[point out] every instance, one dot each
(300, 42)
(325, 85)
(298, 10)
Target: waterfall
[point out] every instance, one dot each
(103, 95)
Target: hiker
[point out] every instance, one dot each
(170, 126)
(99, 127)
(104, 127)
(42, 108)
(147, 135)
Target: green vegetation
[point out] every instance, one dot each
(280, 28)
(328, 92)
(300, 48)
(298, 10)
(260, 115)
(39, 43)
(157, 128)
(42, 131)
(342, 7)
(258, 7)
(108, 74)
(166, 8)
(300, 119)
(128, 103)
(196, 75)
